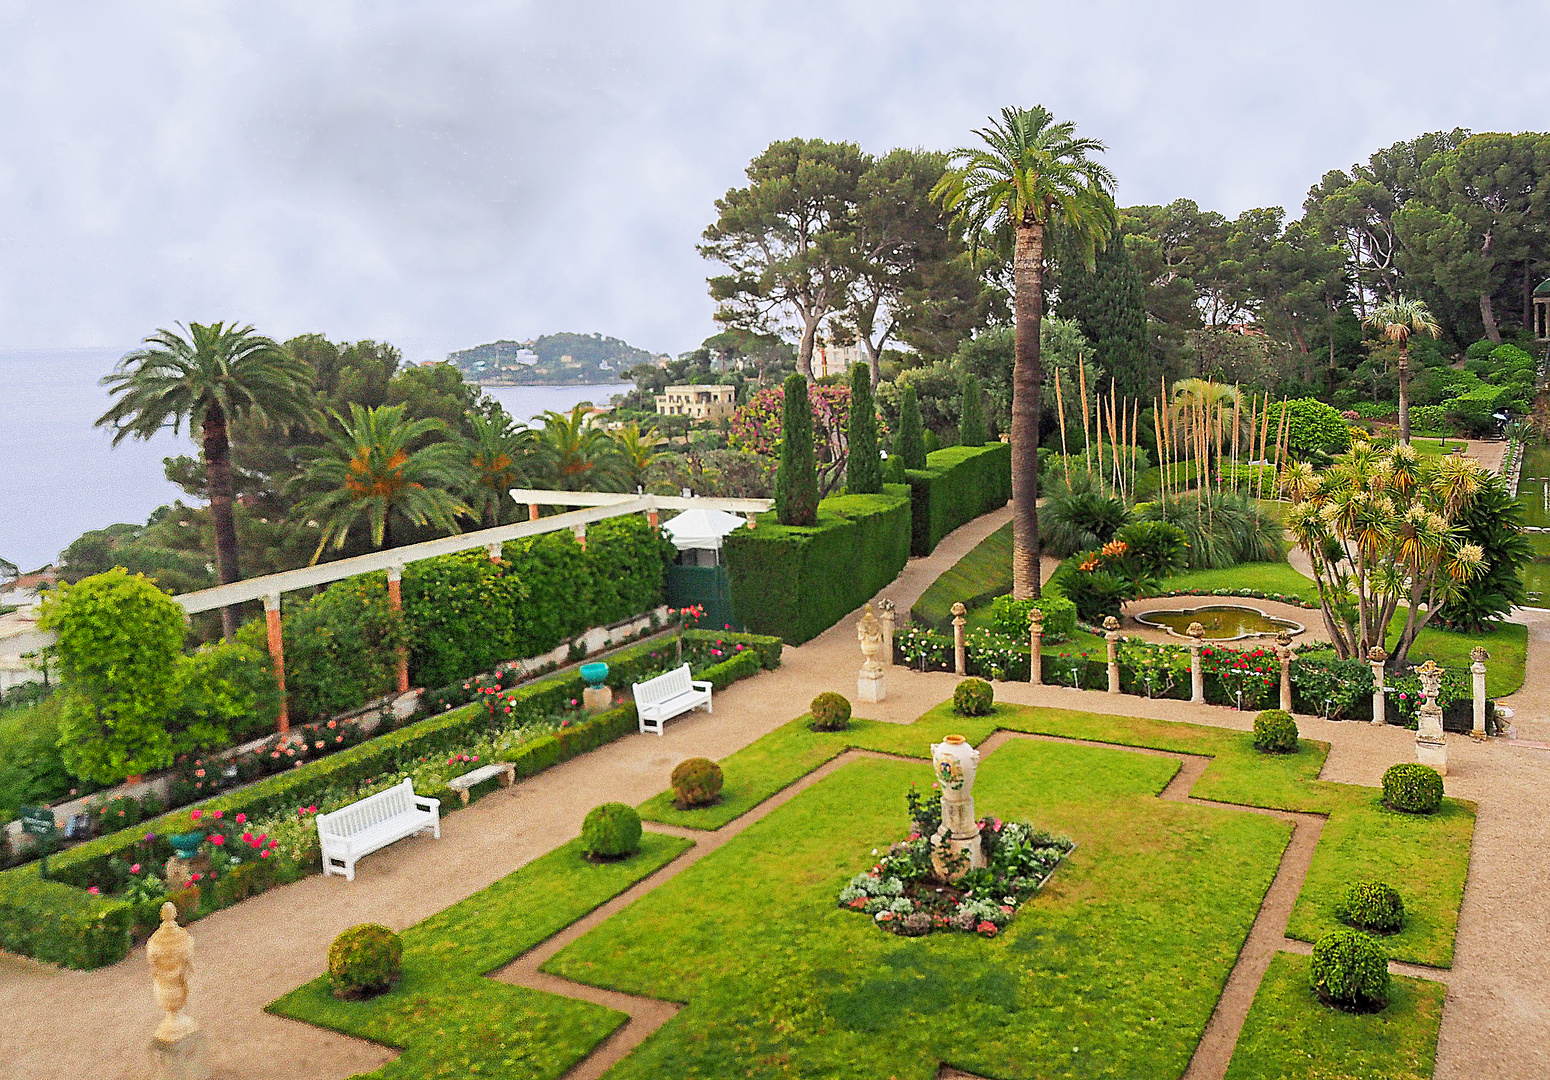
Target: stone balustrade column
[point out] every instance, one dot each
(1376, 656)
(888, 617)
(1111, 635)
(1284, 654)
(1477, 670)
(1197, 682)
(1035, 646)
(960, 655)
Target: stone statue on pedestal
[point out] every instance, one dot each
(1430, 746)
(869, 683)
(177, 1045)
(955, 763)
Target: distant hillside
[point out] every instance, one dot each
(552, 360)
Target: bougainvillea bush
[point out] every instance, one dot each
(904, 893)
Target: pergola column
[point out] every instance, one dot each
(396, 602)
(277, 653)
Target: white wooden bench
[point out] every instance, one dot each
(504, 769)
(372, 824)
(667, 695)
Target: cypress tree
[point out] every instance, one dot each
(864, 468)
(796, 480)
(971, 420)
(1109, 303)
(910, 444)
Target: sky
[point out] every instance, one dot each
(440, 175)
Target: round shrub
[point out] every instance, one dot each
(831, 712)
(1350, 971)
(697, 782)
(1275, 732)
(611, 831)
(974, 697)
(1374, 906)
(364, 960)
(1412, 787)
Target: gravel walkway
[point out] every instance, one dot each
(68, 1024)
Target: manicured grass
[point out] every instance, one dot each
(1290, 1035)
(1114, 970)
(1270, 577)
(448, 1019)
(977, 578)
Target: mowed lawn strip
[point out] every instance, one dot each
(1291, 1035)
(447, 1018)
(1113, 970)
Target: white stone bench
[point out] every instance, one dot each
(372, 824)
(504, 769)
(667, 695)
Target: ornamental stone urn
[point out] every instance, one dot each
(1431, 747)
(177, 1045)
(869, 682)
(955, 762)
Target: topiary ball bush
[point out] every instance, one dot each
(364, 961)
(1275, 732)
(974, 697)
(1374, 906)
(697, 782)
(1350, 971)
(830, 711)
(1412, 787)
(611, 831)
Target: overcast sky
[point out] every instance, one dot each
(439, 175)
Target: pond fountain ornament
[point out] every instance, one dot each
(955, 762)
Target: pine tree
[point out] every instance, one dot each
(863, 468)
(910, 444)
(796, 480)
(1110, 306)
(971, 420)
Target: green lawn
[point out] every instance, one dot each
(448, 1019)
(1290, 1035)
(1113, 971)
(976, 579)
(1270, 577)
(1506, 642)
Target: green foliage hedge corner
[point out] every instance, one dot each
(55, 923)
(1275, 732)
(957, 485)
(611, 831)
(1374, 906)
(1350, 971)
(973, 697)
(830, 712)
(364, 960)
(795, 582)
(1412, 788)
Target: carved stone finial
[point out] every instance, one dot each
(887, 608)
(1196, 631)
(1377, 654)
(1283, 639)
(170, 953)
(1110, 623)
(959, 610)
(1479, 655)
(1035, 617)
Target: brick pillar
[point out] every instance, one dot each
(396, 601)
(277, 654)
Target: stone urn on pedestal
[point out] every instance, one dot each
(1430, 745)
(598, 695)
(954, 761)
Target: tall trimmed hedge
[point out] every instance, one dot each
(796, 582)
(957, 485)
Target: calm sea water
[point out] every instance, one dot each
(60, 476)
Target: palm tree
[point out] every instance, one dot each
(1395, 320)
(1032, 173)
(497, 458)
(574, 455)
(637, 450)
(212, 377)
(367, 470)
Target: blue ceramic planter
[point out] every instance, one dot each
(594, 673)
(186, 844)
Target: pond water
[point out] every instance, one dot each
(1222, 622)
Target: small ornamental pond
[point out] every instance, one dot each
(1222, 622)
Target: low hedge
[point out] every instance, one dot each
(797, 581)
(957, 485)
(57, 921)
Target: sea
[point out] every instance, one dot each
(60, 475)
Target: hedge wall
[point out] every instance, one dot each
(57, 921)
(795, 582)
(957, 485)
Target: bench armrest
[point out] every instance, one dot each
(699, 684)
(425, 802)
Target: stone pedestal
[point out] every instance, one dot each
(1284, 654)
(870, 683)
(597, 698)
(1377, 657)
(1035, 646)
(1431, 747)
(1477, 673)
(960, 657)
(1111, 636)
(180, 871)
(955, 763)
(180, 1059)
(1197, 682)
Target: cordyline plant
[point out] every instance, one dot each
(1379, 529)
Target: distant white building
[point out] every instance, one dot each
(527, 357)
(700, 402)
(836, 359)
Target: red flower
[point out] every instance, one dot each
(217, 839)
(242, 819)
(195, 815)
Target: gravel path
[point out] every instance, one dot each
(68, 1024)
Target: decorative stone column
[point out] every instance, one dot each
(1197, 682)
(1477, 669)
(1035, 646)
(580, 533)
(396, 602)
(1430, 745)
(886, 614)
(955, 763)
(1284, 654)
(1377, 657)
(177, 1045)
(869, 683)
(960, 657)
(1112, 635)
(277, 653)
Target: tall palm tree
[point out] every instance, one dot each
(368, 471)
(212, 377)
(637, 451)
(575, 455)
(498, 455)
(1031, 174)
(1395, 320)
